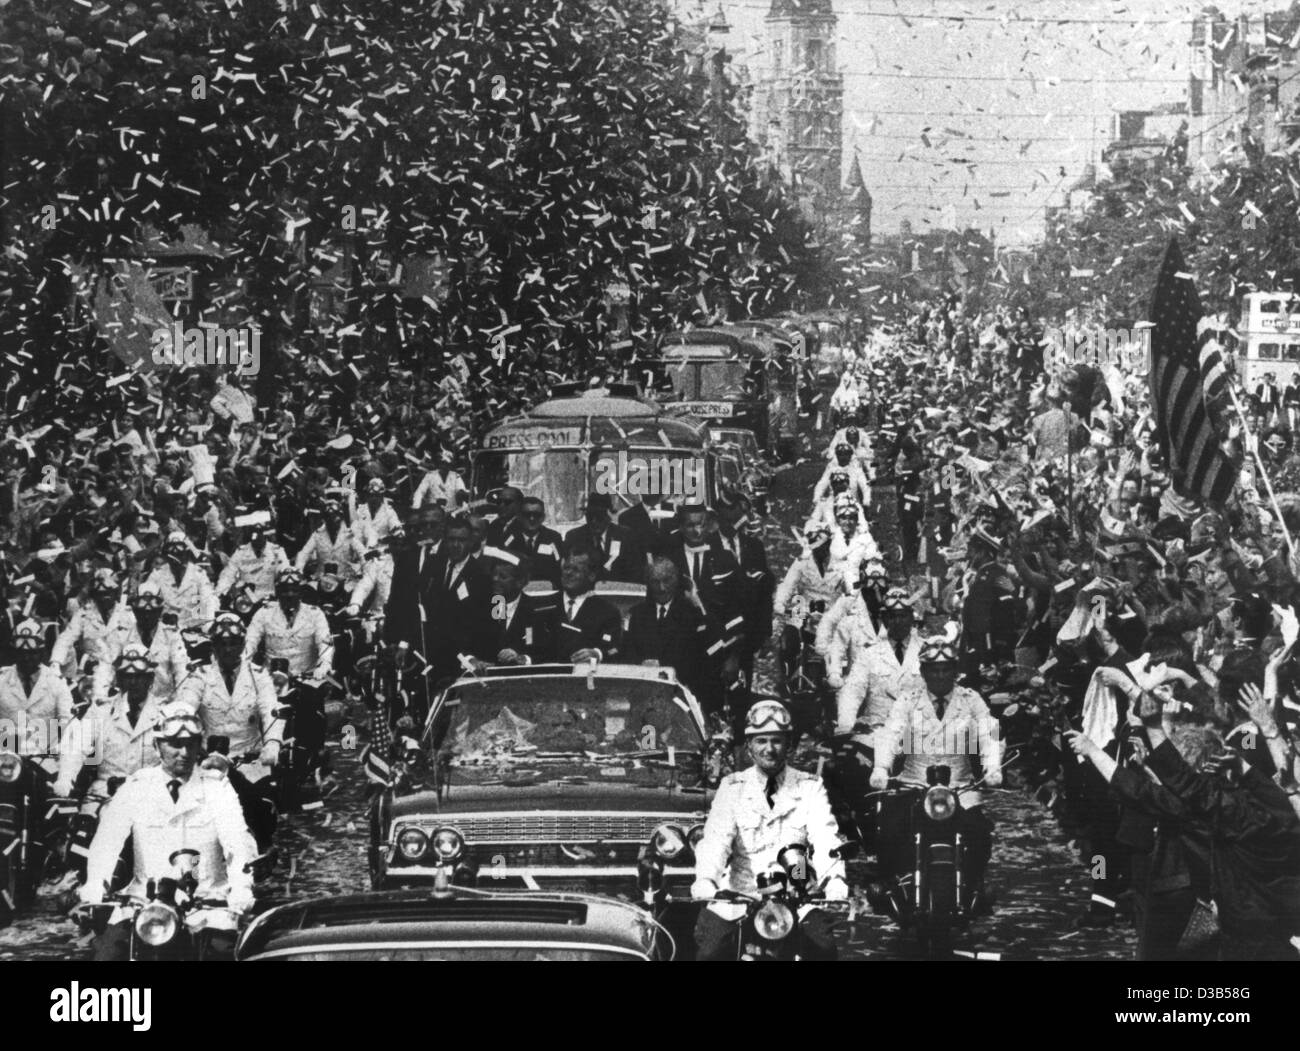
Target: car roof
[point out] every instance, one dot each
(418, 917)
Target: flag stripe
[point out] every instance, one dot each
(1187, 369)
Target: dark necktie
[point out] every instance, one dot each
(770, 792)
(174, 788)
(696, 558)
(663, 614)
(898, 651)
(451, 572)
(571, 603)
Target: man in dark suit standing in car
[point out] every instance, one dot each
(459, 597)
(621, 555)
(539, 542)
(406, 615)
(590, 626)
(666, 629)
(523, 626)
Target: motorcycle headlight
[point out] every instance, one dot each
(156, 924)
(11, 767)
(448, 845)
(940, 803)
(668, 841)
(773, 921)
(412, 843)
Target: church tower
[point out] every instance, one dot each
(798, 107)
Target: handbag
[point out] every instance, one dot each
(1202, 928)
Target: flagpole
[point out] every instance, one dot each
(1268, 485)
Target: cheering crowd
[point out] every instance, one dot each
(1134, 644)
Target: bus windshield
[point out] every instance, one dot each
(557, 477)
(708, 380)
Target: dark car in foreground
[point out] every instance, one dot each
(557, 778)
(455, 924)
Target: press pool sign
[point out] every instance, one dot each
(1127, 348)
(208, 346)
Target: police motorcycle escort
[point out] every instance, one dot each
(299, 653)
(754, 870)
(810, 587)
(193, 855)
(117, 735)
(37, 702)
(934, 838)
(237, 703)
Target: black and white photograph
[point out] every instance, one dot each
(652, 481)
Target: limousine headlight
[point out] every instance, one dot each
(668, 841)
(448, 845)
(412, 843)
(11, 767)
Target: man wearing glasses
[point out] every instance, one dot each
(529, 536)
(756, 814)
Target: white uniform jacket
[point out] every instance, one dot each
(206, 817)
(875, 676)
(306, 643)
(246, 567)
(743, 835)
(193, 601)
(166, 650)
(838, 619)
(373, 529)
(246, 716)
(105, 734)
(434, 489)
(89, 635)
(345, 551)
(849, 554)
(803, 580)
(375, 585)
(35, 724)
(915, 731)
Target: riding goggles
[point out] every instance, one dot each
(768, 717)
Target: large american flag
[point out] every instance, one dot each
(1201, 468)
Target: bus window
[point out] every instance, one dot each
(1293, 352)
(684, 379)
(1270, 306)
(723, 380)
(1269, 351)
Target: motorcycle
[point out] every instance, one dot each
(81, 827)
(931, 898)
(256, 784)
(24, 856)
(770, 927)
(301, 765)
(169, 922)
(811, 700)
